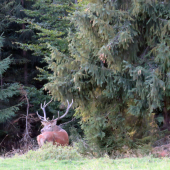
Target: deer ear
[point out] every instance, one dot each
(44, 123)
(53, 122)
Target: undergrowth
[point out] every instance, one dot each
(50, 151)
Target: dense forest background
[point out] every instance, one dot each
(112, 57)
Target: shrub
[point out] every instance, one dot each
(50, 151)
(82, 144)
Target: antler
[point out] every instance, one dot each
(43, 108)
(68, 107)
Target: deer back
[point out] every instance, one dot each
(53, 133)
(56, 137)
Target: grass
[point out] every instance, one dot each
(146, 163)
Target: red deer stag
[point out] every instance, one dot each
(51, 132)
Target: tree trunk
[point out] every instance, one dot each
(25, 69)
(25, 74)
(1, 81)
(166, 114)
(24, 56)
(22, 2)
(166, 118)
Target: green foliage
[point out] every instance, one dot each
(7, 91)
(47, 20)
(81, 144)
(37, 97)
(23, 61)
(4, 65)
(7, 113)
(117, 70)
(50, 151)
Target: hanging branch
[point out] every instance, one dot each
(26, 137)
(1, 81)
(28, 105)
(68, 122)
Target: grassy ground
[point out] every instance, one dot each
(147, 163)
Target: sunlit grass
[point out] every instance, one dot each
(146, 163)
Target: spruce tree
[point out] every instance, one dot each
(47, 19)
(117, 70)
(6, 91)
(23, 66)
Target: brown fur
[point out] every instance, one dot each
(53, 133)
